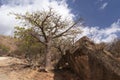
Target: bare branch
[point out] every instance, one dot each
(59, 35)
(38, 38)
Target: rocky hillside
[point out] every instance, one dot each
(7, 44)
(90, 61)
(84, 61)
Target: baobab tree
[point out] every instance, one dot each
(47, 26)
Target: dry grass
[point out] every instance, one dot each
(8, 42)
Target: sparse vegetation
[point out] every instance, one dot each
(46, 27)
(7, 45)
(86, 56)
(4, 49)
(46, 41)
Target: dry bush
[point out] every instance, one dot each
(4, 50)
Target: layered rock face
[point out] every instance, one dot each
(90, 61)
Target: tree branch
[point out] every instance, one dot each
(59, 35)
(37, 37)
(40, 26)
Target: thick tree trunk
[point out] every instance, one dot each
(48, 65)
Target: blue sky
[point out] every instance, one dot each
(96, 12)
(101, 17)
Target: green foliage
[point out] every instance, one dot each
(41, 32)
(28, 46)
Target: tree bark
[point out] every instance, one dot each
(48, 65)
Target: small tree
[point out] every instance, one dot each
(47, 26)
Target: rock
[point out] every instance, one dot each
(90, 62)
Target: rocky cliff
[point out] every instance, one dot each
(90, 61)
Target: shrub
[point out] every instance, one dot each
(3, 49)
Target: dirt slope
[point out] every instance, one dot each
(8, 42)
(14, 69)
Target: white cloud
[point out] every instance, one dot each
(109, 38)
(102, 35)
(104, 5)
(7, 23)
